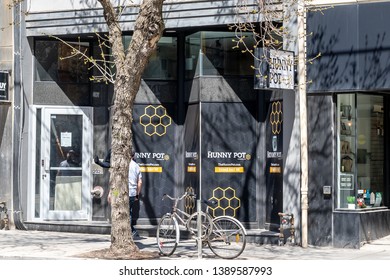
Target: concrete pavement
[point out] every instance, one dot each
(46, 245)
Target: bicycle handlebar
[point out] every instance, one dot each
(210, 203)
(178, 198)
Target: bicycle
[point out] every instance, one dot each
(225, 235)
(168, 231)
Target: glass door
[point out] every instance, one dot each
(65, 163)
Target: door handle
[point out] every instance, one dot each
(45, 165)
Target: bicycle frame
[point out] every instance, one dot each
(182, 220)
(182, 217)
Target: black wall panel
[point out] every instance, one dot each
(374, 46)
(154, 129)
(335, 37)
(228, 150)
(354, 43)
(321, 169)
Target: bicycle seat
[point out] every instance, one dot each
(210, 203)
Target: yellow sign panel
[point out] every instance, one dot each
(229, 169)
(275, 169)
(151, 169)
(191, 169)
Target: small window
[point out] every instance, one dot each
(221, 56)
(55, 61)
(162, 64)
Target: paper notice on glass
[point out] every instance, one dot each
(66, 139)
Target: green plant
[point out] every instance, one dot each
(351, 199)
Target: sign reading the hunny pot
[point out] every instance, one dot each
(274, 69)
(3, 86)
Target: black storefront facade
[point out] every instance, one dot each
(348, 104)
(196, 128)
(200, 125)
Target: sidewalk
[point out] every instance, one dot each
(18, 245)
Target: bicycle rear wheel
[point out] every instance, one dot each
(228, 238)
(168, 235)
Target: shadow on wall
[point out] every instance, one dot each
(355, 50)
(321, 172)
(3, 119)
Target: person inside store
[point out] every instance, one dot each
(70, 161)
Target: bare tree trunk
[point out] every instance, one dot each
(130, 65)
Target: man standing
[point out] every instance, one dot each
(135, 186)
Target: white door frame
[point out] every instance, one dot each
(87, 132)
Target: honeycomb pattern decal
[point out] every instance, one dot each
(155, 120)
(276, 117)
(228, 202)
(189, 204)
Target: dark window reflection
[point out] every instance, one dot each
(56, 61)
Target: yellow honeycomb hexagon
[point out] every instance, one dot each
(227, 201)
(155, 120)
(276, 117)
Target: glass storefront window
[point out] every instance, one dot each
(220, 55)
(347, 136)
(193, 46)
(163, 62)
(56, 61)
(370, 150)
(360, 151)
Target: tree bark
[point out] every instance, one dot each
(130, 65)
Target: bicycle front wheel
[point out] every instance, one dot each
(227, 239)
(168, 235)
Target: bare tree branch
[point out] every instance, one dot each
(115, 32)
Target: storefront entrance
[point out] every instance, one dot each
(65, 164)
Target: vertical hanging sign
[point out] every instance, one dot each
(191, 142)
(274, 69)
(4, 86)
(274, 162)
(275, 141)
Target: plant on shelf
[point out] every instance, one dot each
(351, 199)
(351, 202)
